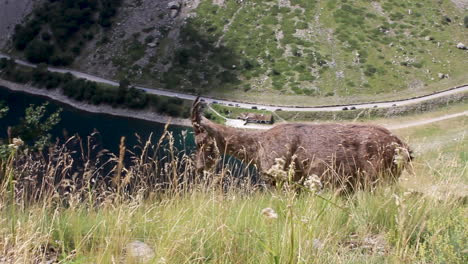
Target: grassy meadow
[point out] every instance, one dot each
(321, 52)
(187, 219)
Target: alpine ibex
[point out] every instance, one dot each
(341, 155)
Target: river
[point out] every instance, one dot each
(75, 121)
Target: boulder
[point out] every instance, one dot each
(461, 46)
(140, 252)
(443, 75)
(174, 5)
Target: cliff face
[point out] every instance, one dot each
(13, 12)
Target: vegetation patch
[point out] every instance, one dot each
(125, 96)
(58, 29)
(308, 47)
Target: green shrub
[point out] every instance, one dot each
(38, 51)
(370, 70)
(69, 22)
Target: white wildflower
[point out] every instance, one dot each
(313, 183)
(12, 146)
(397, 200)
(269, 213)
(18, 142)
(401, 156)
(305, 220)
(277, 170)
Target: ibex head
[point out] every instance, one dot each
(206, 143)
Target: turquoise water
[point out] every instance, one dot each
(74, 121)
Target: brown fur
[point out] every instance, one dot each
(341, 155)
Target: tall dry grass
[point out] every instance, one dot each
(79, 204)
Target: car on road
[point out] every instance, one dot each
(215, 102)
(344, 108)
(230, 105)
(279, 109)
(254, 107)
(353, 108)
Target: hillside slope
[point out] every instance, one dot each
(285, 51)
(12, 13)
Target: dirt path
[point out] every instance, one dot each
(426, 121)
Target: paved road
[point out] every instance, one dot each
(248, 105)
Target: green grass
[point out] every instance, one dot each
(449, 135)
(289, 55)
(215, 228)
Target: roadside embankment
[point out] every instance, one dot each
(105, 109)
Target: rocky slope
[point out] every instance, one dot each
(12, 12)
(284, 51)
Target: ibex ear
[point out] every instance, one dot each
(196, 116)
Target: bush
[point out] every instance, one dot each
(465, 20)
(370, 70)
(24, 35)
(64, 19)
(46, 36)
(38, 51)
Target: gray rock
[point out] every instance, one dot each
(140, 251)
(174, 5)
(443, 75)
(174, 13)
(461, 46)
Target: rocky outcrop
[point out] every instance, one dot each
(12, 12)
(138, 25)
(462, 4)
(174, 8)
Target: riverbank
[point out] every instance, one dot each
(104, 109)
